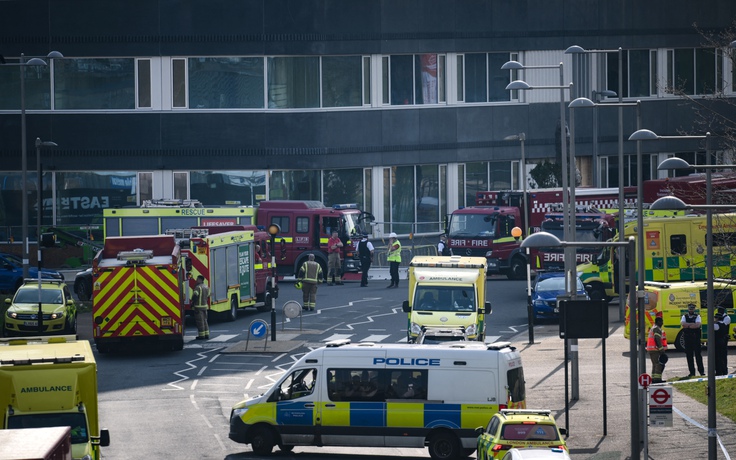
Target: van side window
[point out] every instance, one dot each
(377, 384)
(297, 385)
(282, 222)
(678, 244)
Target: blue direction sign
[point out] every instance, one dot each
(258, 328)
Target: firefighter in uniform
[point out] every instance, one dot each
(656, 347)
(334, 265)
(199, 303)
(310, 274)
(394, 259)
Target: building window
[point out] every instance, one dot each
(401, 71)
(693, 71)
(218, 188)
(226, 83)
(414, 79)
(37, 82)
(144, 83)
(366, 80)
(342, 81)
(179, 83)
(293, 82)
(484, 79)
(342, 186)
(94, 84)
(639, 69)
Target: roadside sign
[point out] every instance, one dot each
(258, 328)
(660, 406)
(645, 380)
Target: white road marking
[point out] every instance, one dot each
(337, 337)
(375, 338)
(222, 338)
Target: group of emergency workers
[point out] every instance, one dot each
(691, 324)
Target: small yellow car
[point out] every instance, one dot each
(58, 308)
(519, 428)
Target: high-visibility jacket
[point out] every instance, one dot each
(655, 331)
(394, 252)
(310, 272)
(200, 296)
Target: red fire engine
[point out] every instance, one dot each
(691, 188)
(235, 264)
(138, 292)
(485, 229)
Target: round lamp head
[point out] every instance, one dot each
(668, 203)
(541, 240)
(516, 232)
(274, 229)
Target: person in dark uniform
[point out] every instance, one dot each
(721, 336)
(365, 253)
(691, 327)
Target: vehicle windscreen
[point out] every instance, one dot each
(472, 225)
(351, 225)
(555, 284)
(444, 298)
(30, 295)
(76, 421)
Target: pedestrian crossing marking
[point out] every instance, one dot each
(337, 337)
(222, 337)
(375, 338)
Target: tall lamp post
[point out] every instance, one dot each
(634, 332)
(670, 202)
(273, 230)
(575, 49)
(568, 194)
(35, 61)
(39, 215)
(546, 240)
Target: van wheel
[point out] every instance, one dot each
(266, 303)
(262, 441)
(444, 446)
(680, 341)
(517, 269)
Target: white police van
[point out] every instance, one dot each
(384, 395)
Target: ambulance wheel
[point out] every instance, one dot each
(680, 341)
(444, 446)
(266, 303)
(517, 269)
(284, 448)
(232, 315)
(262, 441)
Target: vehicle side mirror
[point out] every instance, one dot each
(404, 306)
(488, 310)
(563, 431)
(479, 431)
(7, 301)
(104, 438)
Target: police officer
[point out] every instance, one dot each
(443, 248)
(199, 303)
(309, 274)
(656, 347)
(394, 259)
(691, 326)
(721, 348)
(365, 252)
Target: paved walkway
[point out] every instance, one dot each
(545, 389)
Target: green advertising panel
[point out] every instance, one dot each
(244, 269)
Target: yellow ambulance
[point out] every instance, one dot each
(670, 300)
(447, 292)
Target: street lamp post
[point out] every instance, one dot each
(35, 61)
(676, 203)
(273, 230)
(575, 49)
(39, 215)
(546, 240)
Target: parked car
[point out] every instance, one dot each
(519, 428)
(83, 285)
(11, 273)
(57, 305)
(545, 290)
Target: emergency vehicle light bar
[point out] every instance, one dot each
(171, 204)
(345, 206)
(136, 255)
(337, 343)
